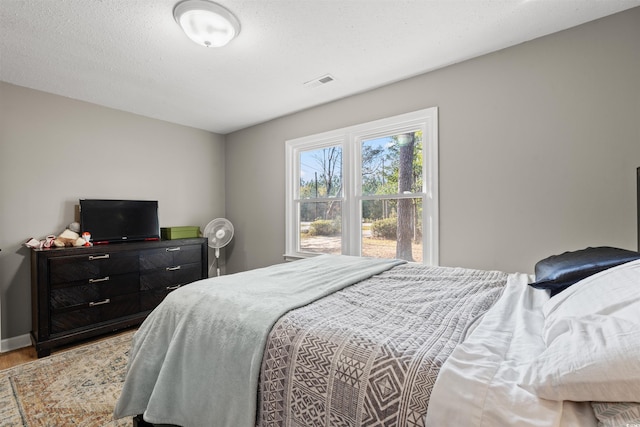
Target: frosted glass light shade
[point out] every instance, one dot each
(206, 23)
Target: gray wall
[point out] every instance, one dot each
(54, 151)
(539, 145)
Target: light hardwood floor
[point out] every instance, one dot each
(17, 357)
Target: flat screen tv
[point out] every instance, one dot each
(111, 221)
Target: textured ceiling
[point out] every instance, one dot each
(132, 56)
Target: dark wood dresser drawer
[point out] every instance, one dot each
(92, 313)
(156, 284)
(92, 266)
(150, 299)
(170, 256)
(169, 277)
(93, 290)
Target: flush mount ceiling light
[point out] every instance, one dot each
(206, 23)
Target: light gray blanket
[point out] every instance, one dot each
(196, 360)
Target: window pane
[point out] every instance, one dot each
(392, 164)
(321, 173)
(320, 227)
(390, 159)
(392, 229)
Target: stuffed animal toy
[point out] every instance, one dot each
(75, 227)
(70, 237)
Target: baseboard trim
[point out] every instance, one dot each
(15, 343)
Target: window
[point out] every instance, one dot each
(368, 190)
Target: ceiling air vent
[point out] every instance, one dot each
(327, 78)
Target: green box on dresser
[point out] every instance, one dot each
(82, 292)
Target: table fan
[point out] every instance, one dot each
(219, 232)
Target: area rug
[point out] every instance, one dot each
(76, 387)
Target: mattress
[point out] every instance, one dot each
(365, 350)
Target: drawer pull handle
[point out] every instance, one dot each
(104, 279)
(94, 257)
(173, 288)
(105, 301)
(177, 267)
(173, 249)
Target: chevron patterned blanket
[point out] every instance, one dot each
(369, 354)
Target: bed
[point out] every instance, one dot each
(348, 341)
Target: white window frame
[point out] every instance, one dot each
(350, 139)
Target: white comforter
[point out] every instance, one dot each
(478, 384)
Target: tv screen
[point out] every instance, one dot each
(110, 221)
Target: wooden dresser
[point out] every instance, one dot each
(77, 293)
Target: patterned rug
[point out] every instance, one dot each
(76, 387)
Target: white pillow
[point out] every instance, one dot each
(598, 359)
(613, 291)
(592, 337)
